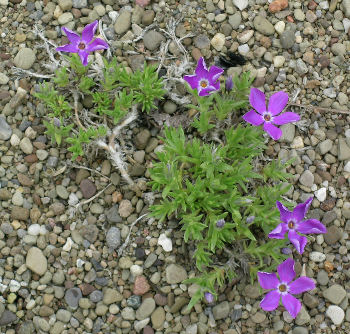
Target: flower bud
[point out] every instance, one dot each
(220, 223)
(250, 219)
(209, 297)
(56, 122)
(229, 83)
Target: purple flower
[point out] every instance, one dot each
(268, 116)
(229, 83)
(85, 44)
(220, 223)
(204, 81)
(293, 222)
(209, 297)
(284, 288)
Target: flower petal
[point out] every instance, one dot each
(268, 280)
(311, 226)
(301, 209)
(192, 80)
(279, 231)
(274, 132)
(297, 240)
(285, 214)
(277, 102)
(67, 48)
(287, 117)
(253, 118)
(207, 91)
(84, 57)
(88, 32)
(215, 72)
(97, 44)
(271, 301)
(201, 69)
(292, 305)
(286, 270)
(301, 285)
(257, 100)
(71, 35)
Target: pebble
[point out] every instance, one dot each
(165, 242)
(240, 4)
(335, 294)
(262, 25)
(321, 194)
(336, 314)
(221, 310)
(218, 41)
(87, 188)
(36, 261)
(72, 297)
(146, 309)
(123, 23)
(125, 208)
(113, 238)
(152, 40)
(317, 256)
(25, 58)
(158, 318)
(175, 274)
(307, 179)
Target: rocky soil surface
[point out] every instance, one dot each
(65, 272)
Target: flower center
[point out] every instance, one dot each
(81, 46)
(267, 117)
(291, 225)
(282, 288)
(204, 83)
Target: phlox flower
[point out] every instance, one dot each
(293, 222)
(269, 116)
(205, 81)
(283, 288)
(85, 44)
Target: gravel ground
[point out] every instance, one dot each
(63, 273)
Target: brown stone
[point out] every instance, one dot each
(328, 204)
(160, 300)
(278, 5)
(24, 180)
(196, 54)
(86, 289)
(333, 235)
(324, 61)
(19, 213)
(31, 158)
(141, 286)
(312, 5)
(87, 188)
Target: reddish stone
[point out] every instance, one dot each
(324, 61)
(24, 180)
(141, 286)
(290, 19)
(328, 204)
(87, 188)
(160, 299)
(31, 158)
(5, 56)
(148, 330)
(278, 5)
(312, 5)
(86, 289)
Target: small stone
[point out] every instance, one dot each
(335, 294)
(321, 194)
(146, 309)
(87, 188)
(343, 150)
(287, 39)
(125, 208)
(221, 310)
(25, 58)
(152, 40)
(141, 286)
(336, 314)
(7, 318)
(26, 145)
(258, 317)
(62, 191)
(175, 274)
(113, 238)
(123, 23)
(5, 129)
(165, 242)
(158, 318)
(317, 256)
(72, 297)
(307, 179)
(240, 4)
(141, 139)
(36, 261)
(333, 235)
(262, 25)
(111, 296)
(218, 41)
(278, 5)
(65, 18)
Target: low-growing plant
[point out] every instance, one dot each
(115, 95)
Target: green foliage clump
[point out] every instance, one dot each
(113, 92)
(202, 183)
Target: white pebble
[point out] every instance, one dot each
(279, 27)
(243, 49)
(73, 199)
(68, 245)
(346, 24)
(14, 286)
(347, 167)
(14, 140)
(34, 229)
(165, 242)
(321, 194)
(30, 305)
(278, 61)
(319, 239)
(136, 270)
(240, 4)
(317, 256)
(42, 230)
(336, 314)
